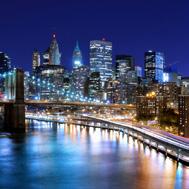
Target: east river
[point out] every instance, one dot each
(74, 157)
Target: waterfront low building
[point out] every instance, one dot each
(183, 115)
(150, 106)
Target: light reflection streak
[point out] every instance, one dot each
(113, 150)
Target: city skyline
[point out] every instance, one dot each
(94, 94)
(125, 24)
(85, 62)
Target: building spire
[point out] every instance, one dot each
(77, 46)
(54, 36)
(77, 60)
(54, 53)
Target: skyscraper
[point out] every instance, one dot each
(79, 78)
(46, 57)
(5, 66)
(52, 54)
(94, 85)
(77, 60)
(138, 70)
(154, 64)
(5, 63)
(51, 81)
(101, 59)
(35, 60)
(124, 75)
(124, 63)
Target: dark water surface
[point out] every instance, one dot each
(74, 157)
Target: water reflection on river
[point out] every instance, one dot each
(70, 156)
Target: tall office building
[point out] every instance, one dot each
(54, 52)
(46, 57)
(154, 65)
(77, 60)
(94, 85)
(138, 70)
(124, 63)
(5, 63)
(51, 81)
(5, 66)
(101, 59)
(52, 55)
(79, 78)
(124, 68)
(35, 60)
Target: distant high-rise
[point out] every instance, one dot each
(77, 60)
(154, 64)
(46, 57)
(124, 63)
(94, 85)
(35, 60)
(5, 66)
(52, 54)
(54, 76)
(101, 59)
(5, 63)
(124, 66)
(138, 70)
(79, 78)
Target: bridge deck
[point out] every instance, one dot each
(66, 103)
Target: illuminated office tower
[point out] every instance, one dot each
(5, 63)
(124, 63)
(5, 66)
(77, 60)
(138, 70)
(124, 66)
(52, 55)
(101, 59)
(79, 78)
(35, 60)
(94, 85)
(46, 57)
(54, 52)
(54, 75)
(154, 64)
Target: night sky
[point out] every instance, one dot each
(134, 26)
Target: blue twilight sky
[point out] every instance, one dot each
(134, 26)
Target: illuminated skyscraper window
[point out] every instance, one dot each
(35, 60)
(5, 63)
(154, 64)
(101, 59)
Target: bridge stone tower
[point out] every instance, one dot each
(15, 111)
